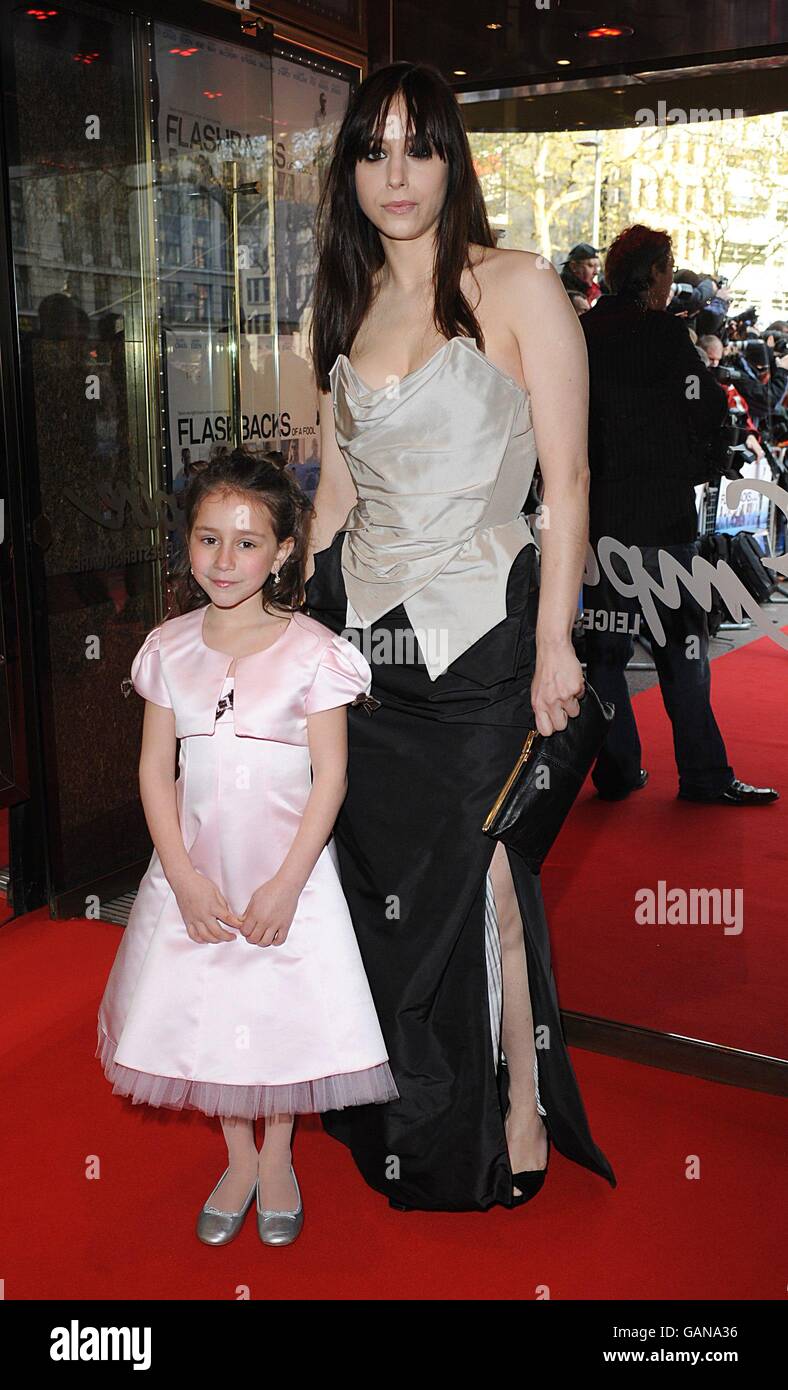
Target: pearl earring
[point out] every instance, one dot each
(276, 576)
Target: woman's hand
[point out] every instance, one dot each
(269, 913)
(558, 681)
(200, 904)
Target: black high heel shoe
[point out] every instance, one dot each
(530, 1180)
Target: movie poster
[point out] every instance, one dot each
(214, 151)
(277, 121)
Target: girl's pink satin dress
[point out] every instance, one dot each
(227, 1027)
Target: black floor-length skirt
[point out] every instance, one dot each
(423, 770)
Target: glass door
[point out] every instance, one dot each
(140, 187)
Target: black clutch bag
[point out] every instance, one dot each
(538, 794)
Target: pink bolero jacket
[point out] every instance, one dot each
(308, 668)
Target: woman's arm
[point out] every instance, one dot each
(336, 493)
(555, 368)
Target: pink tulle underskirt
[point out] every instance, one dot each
(373, 1086)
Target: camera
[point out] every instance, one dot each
(724, 455)
(690, 298)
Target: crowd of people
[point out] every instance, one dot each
(660, 398)
(726, 342)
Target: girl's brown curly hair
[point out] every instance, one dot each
(261, 479)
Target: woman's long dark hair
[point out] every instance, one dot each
(349, 248)
(265, 480)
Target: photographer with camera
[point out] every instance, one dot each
(655, 411)
(691, 295)
(764, 378)
(758, 366)
(714, 350)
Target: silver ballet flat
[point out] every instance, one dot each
(280, 1227)
(216, 1227)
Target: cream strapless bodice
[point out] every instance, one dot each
(442, 460)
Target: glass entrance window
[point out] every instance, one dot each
(78, 195)
(156, 334)
(141, 180)
(212, 178)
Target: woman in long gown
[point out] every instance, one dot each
(466, 360)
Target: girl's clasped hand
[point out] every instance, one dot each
(269, 913)
(265, 922)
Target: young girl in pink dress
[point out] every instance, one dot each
(238, 988)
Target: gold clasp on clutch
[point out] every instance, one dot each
(521, 761)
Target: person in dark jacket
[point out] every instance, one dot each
(765, 379)
(580, 270)
(654, 409)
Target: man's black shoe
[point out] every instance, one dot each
(738, 794)
(619, 796)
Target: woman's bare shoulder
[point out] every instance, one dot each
(529, 292)
(516, 293)
(509, 267)
(503, 260)
(507, 276)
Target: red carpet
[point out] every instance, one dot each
(689, 979)
(127, 1231)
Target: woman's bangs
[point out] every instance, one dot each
(421, 127)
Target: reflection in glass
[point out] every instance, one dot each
(77, 189)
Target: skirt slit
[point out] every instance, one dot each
(492, 943)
